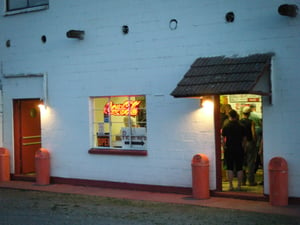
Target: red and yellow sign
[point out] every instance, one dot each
(125, 109)
(253, 99)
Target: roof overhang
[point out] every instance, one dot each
(227, 75)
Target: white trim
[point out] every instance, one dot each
(32, 75)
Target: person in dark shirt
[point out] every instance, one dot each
(224, 110)
(234, 137)
(250, 146)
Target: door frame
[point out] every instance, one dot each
(217, 126)
(218, 152)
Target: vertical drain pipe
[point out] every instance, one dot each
(1, 108)
(1, 115)
(45, 89)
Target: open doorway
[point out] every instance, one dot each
(240, 103)
(27, 135)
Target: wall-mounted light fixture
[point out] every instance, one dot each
(42, 107)
(288, 10)
(79, 34)
(206, 101)
(207, 105)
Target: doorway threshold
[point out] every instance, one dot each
(240, 195)
(24, 177)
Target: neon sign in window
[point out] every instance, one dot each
(113, 115)
(125, 109)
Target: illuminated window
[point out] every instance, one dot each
(119, 122)
(12, 5)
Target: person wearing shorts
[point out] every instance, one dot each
(234, 137)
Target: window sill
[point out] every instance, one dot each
(118, 152)
(26, 10)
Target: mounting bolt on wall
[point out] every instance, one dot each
(125, 29)
(8, 44)
(44, 39)
(173, 24)
(229, 17)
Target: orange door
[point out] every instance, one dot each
(27, 130)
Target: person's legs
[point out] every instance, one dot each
(252, 154)
(230, 179)
(245, 169)
(239, 168)
(229, 167)
(240, 175)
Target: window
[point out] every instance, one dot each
(12, 5)
(119, 122)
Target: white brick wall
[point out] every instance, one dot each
(150, 60)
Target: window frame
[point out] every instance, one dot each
(26, 9)
(112, 150)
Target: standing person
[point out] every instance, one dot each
(250, 146)
(234, 136)
(261, 155)
(257, 119)
(225, 109)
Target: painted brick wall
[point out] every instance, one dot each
(150, 60)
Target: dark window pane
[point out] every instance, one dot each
(38, 2)
(16, 4)
(22, 4)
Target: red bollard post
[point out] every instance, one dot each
(4, 165)
(200, 176)
(42, 167)
(278, 181)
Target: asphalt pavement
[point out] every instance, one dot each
(215, 202)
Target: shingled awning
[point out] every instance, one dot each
(227, 75)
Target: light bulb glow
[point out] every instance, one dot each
(42, 108)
